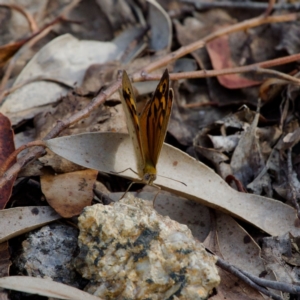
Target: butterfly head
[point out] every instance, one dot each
(149, 178)
(149, 174)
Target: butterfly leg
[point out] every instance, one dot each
(159, 189)
(124, 171)
(130, 185)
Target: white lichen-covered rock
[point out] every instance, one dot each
(129, 251)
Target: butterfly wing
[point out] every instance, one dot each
(133, 124)
(154, 122)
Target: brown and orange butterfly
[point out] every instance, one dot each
(148, 130)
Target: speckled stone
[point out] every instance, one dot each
(47, 253)
(129, 251)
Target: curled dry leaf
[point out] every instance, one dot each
(44, 287)
(220, 55)
(7, 146)
(161, 27)
(16, 221)
(113, 153)
(69, 193)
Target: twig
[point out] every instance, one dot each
(235, 271)
(32, 24)
(279, 286)
(258, 67)
(201, 5)
(245, 25)
(30, 80)
(14, 154)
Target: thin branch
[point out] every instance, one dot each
(200, 43)
(236, 272)
(214, 73)
(275, 285)
(32, 24)
(13, 156)
(201, 5)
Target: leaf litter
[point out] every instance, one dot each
(64, 90)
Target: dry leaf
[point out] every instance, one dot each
(113, 152)
(16, 221)
(66, 69)
(6, 148)
(69, 193)
(237, 247)
(231, 287)
(220, 55)
(161, 27)
(44, 287)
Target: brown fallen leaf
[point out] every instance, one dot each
(69, 193)
(7, 146)
(7, 51)
(220, 55)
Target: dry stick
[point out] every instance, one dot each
(138, 76)
(257, 67)
(241, 4)
(33, 79)
(32, 24)
(279, 286)
(197, 74)
(14, 154)
(236, 272)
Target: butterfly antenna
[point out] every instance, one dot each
(172, 179)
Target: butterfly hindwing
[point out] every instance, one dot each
(154, 120)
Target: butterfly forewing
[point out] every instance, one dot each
(154, 121)
(133, 124)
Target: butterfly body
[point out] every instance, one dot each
(148, 130)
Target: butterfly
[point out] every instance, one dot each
(148, 130)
